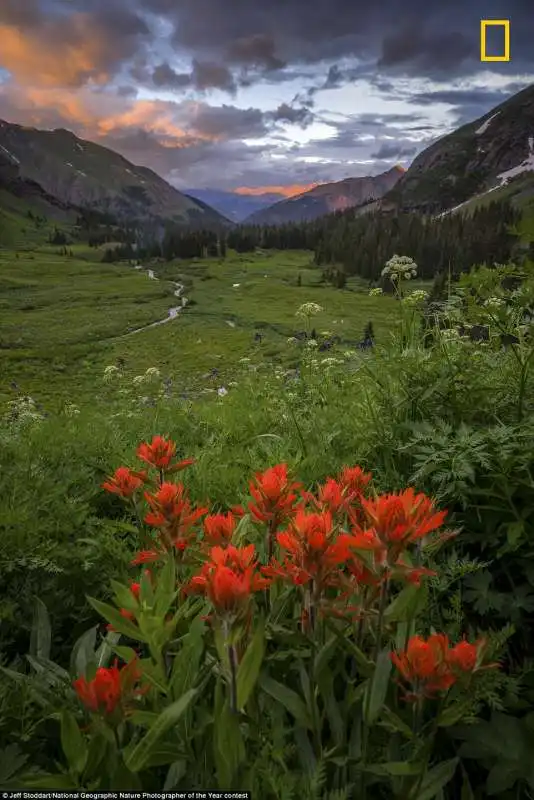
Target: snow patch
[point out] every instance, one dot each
(484, 127)
(11, 156)
(80, 148)
(526, 166)
(81, 173)
(68, 164)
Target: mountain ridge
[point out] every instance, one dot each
(326, 198)
(79, 174)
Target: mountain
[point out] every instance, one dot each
(326, 198)
(232, 205)
(495, 153)
(79, 174)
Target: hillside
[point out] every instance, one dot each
(232, 205)
(74, 173)
(483, 156)
(326, 198)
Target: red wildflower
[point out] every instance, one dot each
(399, 519)
(110, 689)
(354, 479)
(464, 656)
(433, 666)
(124, 482)
(173, 514)
(219, 528)
(424, 664)
(160, 452)
(274, 495)
(229, 578)
(311, 550)
(146, 557)
(331, 496)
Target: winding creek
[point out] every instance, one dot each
(172, 312)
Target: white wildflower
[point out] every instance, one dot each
(311, 343)
(308, 310)
(222, 391)
(416, 297)
(400, 268)
(376, 292)
(152, 372)
(139, 379)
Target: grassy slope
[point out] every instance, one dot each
(64, 319)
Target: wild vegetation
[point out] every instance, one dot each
(316, 580)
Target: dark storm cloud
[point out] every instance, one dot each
(229, 122)
(417, 37)
(166, 77)
(468, 104)
(297, 116)
(388, 150)
(257, 50)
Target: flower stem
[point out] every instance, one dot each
(232, 658)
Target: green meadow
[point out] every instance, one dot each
(65, 318)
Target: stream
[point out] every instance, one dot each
(172, 312)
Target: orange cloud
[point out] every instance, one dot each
(285, 191)
(54, 55)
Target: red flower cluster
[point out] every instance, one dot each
(311, 551)
(173, 514)
(433, 666)
(159, 454)
(219, 528)
(125, 482)
(274, 495)
(229, 578)
(111, 688)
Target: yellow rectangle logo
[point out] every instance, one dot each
(504, 23)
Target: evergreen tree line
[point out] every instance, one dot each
(361, 244)
(176, 243)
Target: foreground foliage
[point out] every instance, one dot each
(283, 643)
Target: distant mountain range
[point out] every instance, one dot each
(68, 172)
(233, 205)
(326, 198)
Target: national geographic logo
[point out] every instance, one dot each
(501, 23)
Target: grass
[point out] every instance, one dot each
(65, 318)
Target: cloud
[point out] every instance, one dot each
(257, 50)
(296, 116)
(68, 49)
(285, 191)
(389, 150)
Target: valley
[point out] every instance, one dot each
(64, 319)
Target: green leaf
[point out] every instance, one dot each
(249, 668)
(228, 746)
(435, 779)
(186, 662)
(393, 722)
(377, 688)
(289, 699)
(73, 743)
(124, 596)
(455, 712)
(397, 768)
(41, 634)
(408, 603)
(176, 772)
(322, 659)
(59, 781)
(113, 616)
(83, 652)
(166, 588)
(98, 749)
(140, 754)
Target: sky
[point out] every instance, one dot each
(250, 96)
